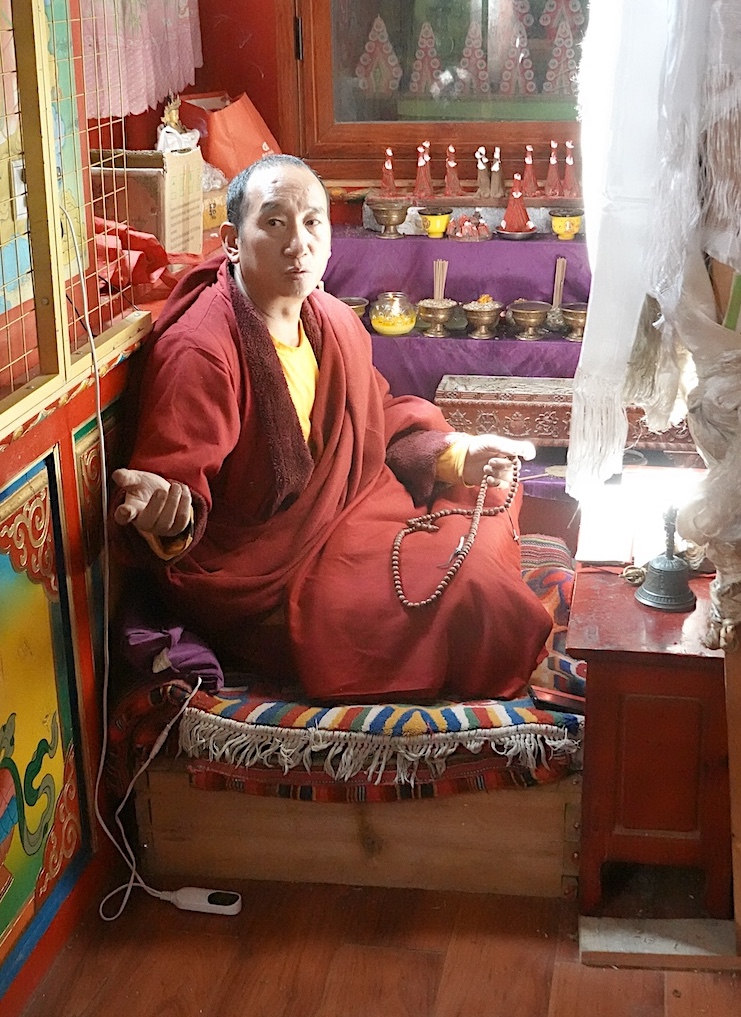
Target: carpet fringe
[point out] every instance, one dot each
(348, 753)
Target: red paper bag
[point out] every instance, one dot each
(232, 135)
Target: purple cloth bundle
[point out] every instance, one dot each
(153, 645)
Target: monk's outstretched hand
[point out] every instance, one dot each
(153, 504)
(492, 457)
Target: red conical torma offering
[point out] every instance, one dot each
(516, 219)
(530, 186)
(482, 172)
(496, 185)
(423, 184)
(388, 184)
(452, 183)
(552, 181)
(570, 186)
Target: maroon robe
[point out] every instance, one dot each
(311, 528)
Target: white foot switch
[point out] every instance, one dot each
(217, 902)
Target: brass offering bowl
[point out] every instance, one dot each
(530, 317)
(575, 316)
(389, 213)
(358, 304)
(482, 317)
(434, 315)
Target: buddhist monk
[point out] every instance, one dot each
(272, 470)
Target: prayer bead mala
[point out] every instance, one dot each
(426, 523)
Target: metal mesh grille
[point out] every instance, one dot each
(93, 270)
(19, 353)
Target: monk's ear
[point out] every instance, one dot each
(229, 242)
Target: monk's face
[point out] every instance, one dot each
(283, 245)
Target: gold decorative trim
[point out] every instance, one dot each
(65, 836)
(26, 534)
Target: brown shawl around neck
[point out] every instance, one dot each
(289, 453)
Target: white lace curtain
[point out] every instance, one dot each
(136, 52)
(618, 94)
(660, 88)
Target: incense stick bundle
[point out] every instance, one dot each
(558, 282)
(440, 274)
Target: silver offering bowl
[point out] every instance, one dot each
(575, 316)
(434, 315)
(530, 316)
(482, 317)
(389, 213)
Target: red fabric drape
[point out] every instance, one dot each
(326, 557)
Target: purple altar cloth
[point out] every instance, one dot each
(364, 266)
(415, 365)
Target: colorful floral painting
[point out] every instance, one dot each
(40, 824)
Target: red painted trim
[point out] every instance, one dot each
(55, 431)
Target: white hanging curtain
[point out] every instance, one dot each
(136, 52)
(618, 95)
(660, 90)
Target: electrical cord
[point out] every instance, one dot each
(123, 848)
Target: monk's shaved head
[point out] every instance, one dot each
(237, 194)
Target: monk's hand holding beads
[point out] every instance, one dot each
(492, 456)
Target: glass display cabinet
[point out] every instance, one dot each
(360, 75)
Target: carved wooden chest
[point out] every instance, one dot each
(538, 409)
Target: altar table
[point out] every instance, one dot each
(362, 265)
(415, 365)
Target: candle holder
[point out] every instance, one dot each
(575, 316)
(358, 304)
(392, 313)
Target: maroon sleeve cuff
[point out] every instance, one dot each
(412, 456)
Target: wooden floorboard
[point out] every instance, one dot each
(500, 958)
(384, 981)
(578, 991)
(151, 957)
(320, 950)
(288, 944)
(702, 994)
(404, 919)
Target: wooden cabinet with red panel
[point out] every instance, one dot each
(655, 785)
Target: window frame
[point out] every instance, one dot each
(354, 151)
(61, 369)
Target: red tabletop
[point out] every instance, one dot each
(605, 616)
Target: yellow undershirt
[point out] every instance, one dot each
(302, 372)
